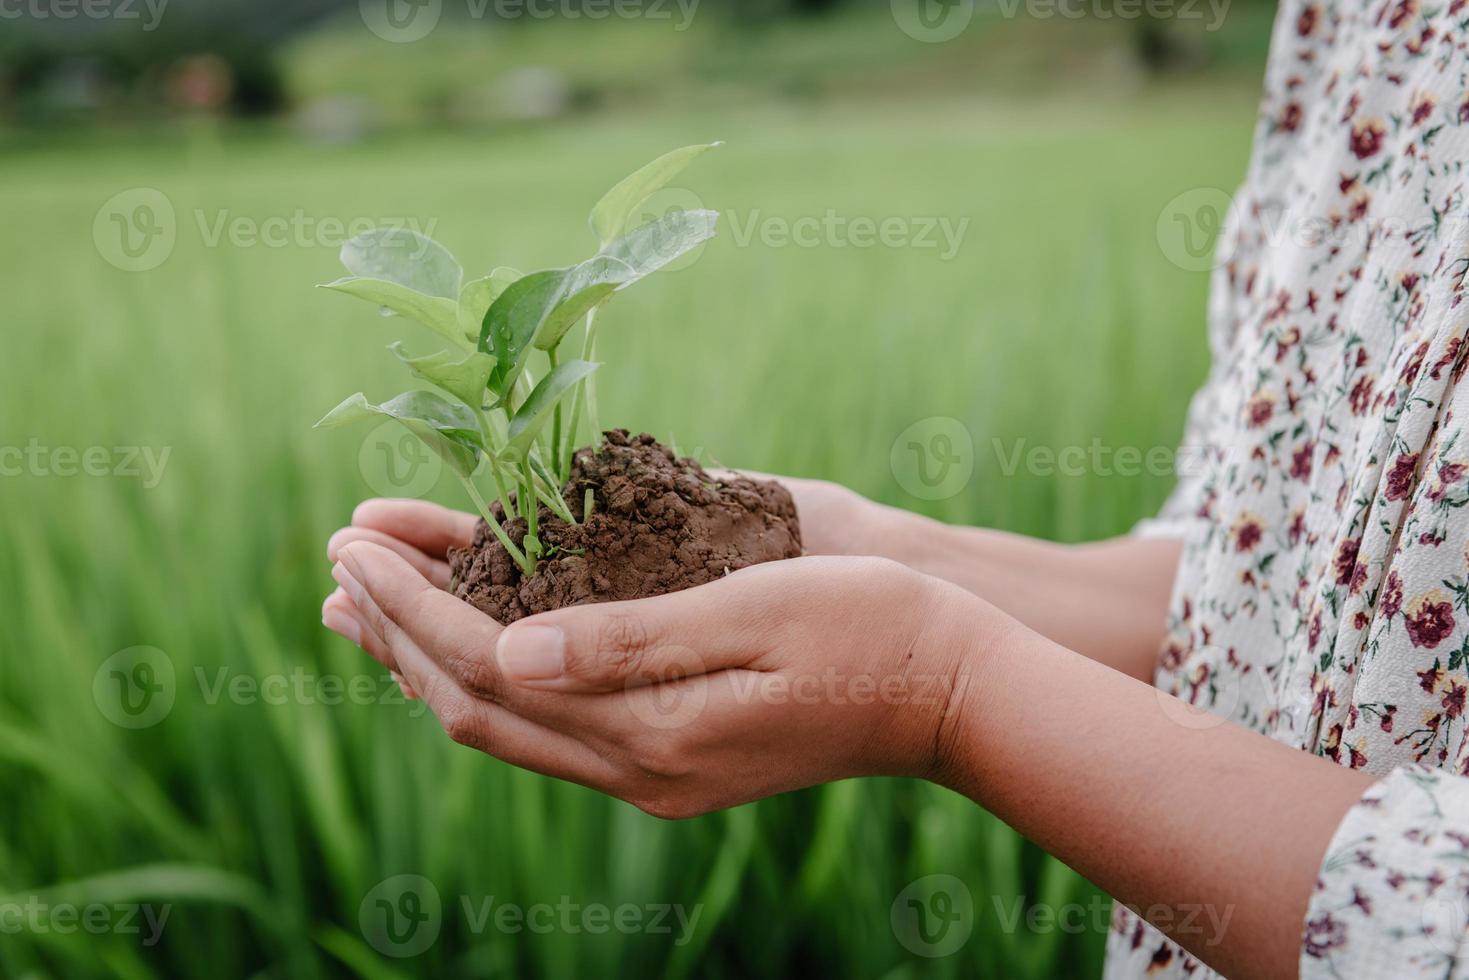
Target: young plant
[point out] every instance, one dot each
(497, 411)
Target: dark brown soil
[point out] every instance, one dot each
(659, 524)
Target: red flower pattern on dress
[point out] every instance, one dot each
(1400, 476)
(1366, 138)
(1429, 618)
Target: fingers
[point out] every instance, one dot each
(341, 615)
(430, 528)
(457, 637)
(395, 600)
(615, 645)
(435, 570)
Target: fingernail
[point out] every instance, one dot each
(352, 559)
(342, 624)
(348, 583)
(408, 692)
(531, 653)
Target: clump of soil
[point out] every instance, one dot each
(659, 524)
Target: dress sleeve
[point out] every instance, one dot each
(1392, 898)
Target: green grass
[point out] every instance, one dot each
(265, 825)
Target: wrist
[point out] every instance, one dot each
(894, 533)
(971, 640)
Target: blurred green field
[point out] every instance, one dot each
(266, 825)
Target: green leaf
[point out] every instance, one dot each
(620, 264)
(448, 428)
(609, 216)
(464, 378)
(579, 296)
(532, 416)
(512, 320)
(652, 246)
(405, 257)
(538, 309)
(438, 314)
(477, 296)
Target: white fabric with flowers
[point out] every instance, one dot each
(1322, 596)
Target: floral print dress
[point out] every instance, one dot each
(1323, 595)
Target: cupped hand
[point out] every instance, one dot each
(420, 533)
(834, 521)
(779, 676)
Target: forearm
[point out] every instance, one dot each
(1107, 601)
(1162, 807)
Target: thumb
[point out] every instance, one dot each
(614, 645)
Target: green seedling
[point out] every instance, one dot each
(501, 410)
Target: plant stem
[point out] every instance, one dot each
(532, 512)
(591, 381)
(561, 475)
(498, 478)
(578, 400)
(487, 431)
(526, 564)
(551, 493)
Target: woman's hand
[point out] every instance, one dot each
(797, 672)
(779, 676)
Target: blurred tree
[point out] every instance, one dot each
(133, 55)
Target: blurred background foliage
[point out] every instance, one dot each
(265, 58)
(1059, 322)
